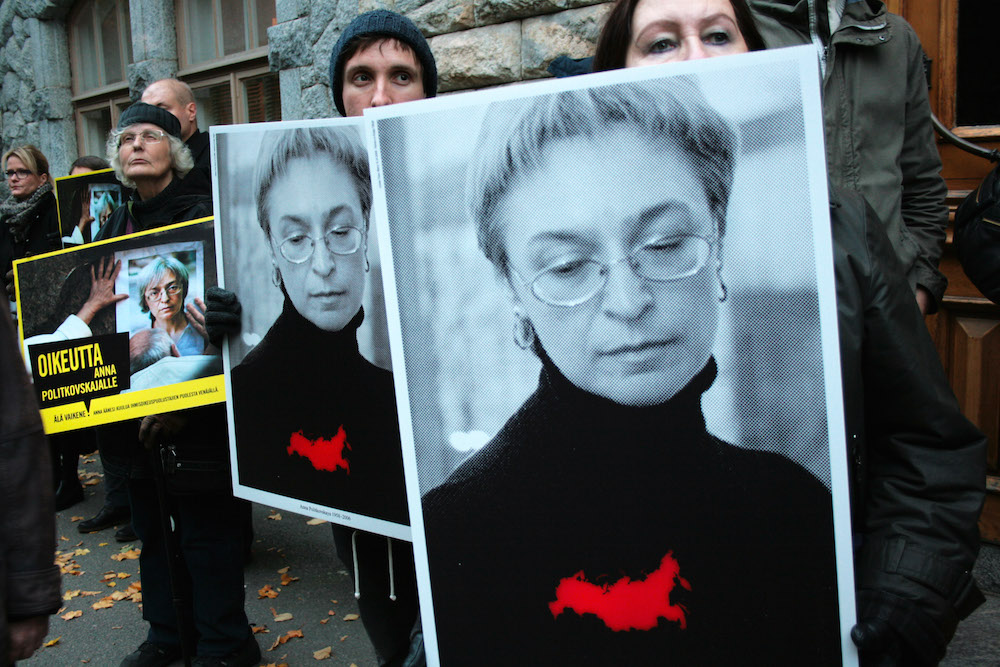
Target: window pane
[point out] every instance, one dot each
(215, 106)
(262, 98)
(107, 14)
(199, 28)
(978, 99)
(96, 125)
(234, 27)
(266, 17)
(126, 30)
(85, 60)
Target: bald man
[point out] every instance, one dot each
(177, 97)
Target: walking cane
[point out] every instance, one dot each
(177, 585)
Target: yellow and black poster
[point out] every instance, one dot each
(115, 330)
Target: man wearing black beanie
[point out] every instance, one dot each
(381, 58)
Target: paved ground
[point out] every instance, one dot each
(321, 600)
(102, 637)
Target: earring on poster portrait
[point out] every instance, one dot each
(276, 276)
(524, 331)
(723, 292)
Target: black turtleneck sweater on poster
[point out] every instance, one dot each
(316, 421)
(716, 554)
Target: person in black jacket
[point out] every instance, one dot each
(916, 463)
(29, 222)
(208, 523)
(177, 97)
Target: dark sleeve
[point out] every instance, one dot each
(924, 209)
(925, 469)
(27, 512)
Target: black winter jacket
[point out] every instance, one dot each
(43, 235)
(917, 465)
(29, 581)
(180, 201)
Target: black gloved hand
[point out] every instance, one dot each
(222, 315)
(878, 644)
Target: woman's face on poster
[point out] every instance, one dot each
(165, 298)
(636, 341)
(315, 204)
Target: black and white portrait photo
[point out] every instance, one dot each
(313, 412)
(617, 347)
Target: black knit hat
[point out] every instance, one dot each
(382, 22)
(140, 112)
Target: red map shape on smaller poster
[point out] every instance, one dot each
(625, 604)
(323, 454)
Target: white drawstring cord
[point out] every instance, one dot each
(392, 574)
(357, 570)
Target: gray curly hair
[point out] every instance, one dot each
(181, 161)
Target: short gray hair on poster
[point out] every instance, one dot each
(670, 113)
(279, 147)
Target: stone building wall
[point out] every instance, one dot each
(477, 43)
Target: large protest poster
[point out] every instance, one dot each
(107, 328)
(313, 425)
(85, 202)
(613, 334)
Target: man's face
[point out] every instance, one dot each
(382, 73)
(162, 94)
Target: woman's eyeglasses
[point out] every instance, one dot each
(146, 137)
(575, 281)
(340, 241)
(155, 293)
(20, 173)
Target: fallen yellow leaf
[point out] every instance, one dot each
(351, 617)
(274, 517)
(69, 595)
(284, 569)
(287, 616)
(81, 552)
(323, 653)
(103, 603)
(287, 579)
(103, 544)
(89, 593)
(315, 522)
(124, 575)
(70, 615)
(131, 554)
(257, 629)
(52, 642)
(74, 519)
(266, 592)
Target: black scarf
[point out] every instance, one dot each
(19, 214)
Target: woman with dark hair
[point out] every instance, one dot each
(687, 30)
(916, 461)
(580, 517)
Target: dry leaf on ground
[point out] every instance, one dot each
(104, 603)
(291, 634)
(284, 569)
(274, 517)
(131, 554)
(287, 579)
(74, 519)
(52, 642)
(266, 592)
(323, 653)
(351, 617)
(315, 522)
(257, 629)
(70, 615)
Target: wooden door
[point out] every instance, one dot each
(959, 37)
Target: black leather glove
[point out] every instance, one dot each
(222, 314)
(879, 645)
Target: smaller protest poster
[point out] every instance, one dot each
(312, 413)
(114, 330)
(85, 202)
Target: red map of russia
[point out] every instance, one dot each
(323, 453)
(625, 604)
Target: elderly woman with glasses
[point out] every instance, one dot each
(29, 223)
(604, 524)
(315, 420)
(147, 154)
